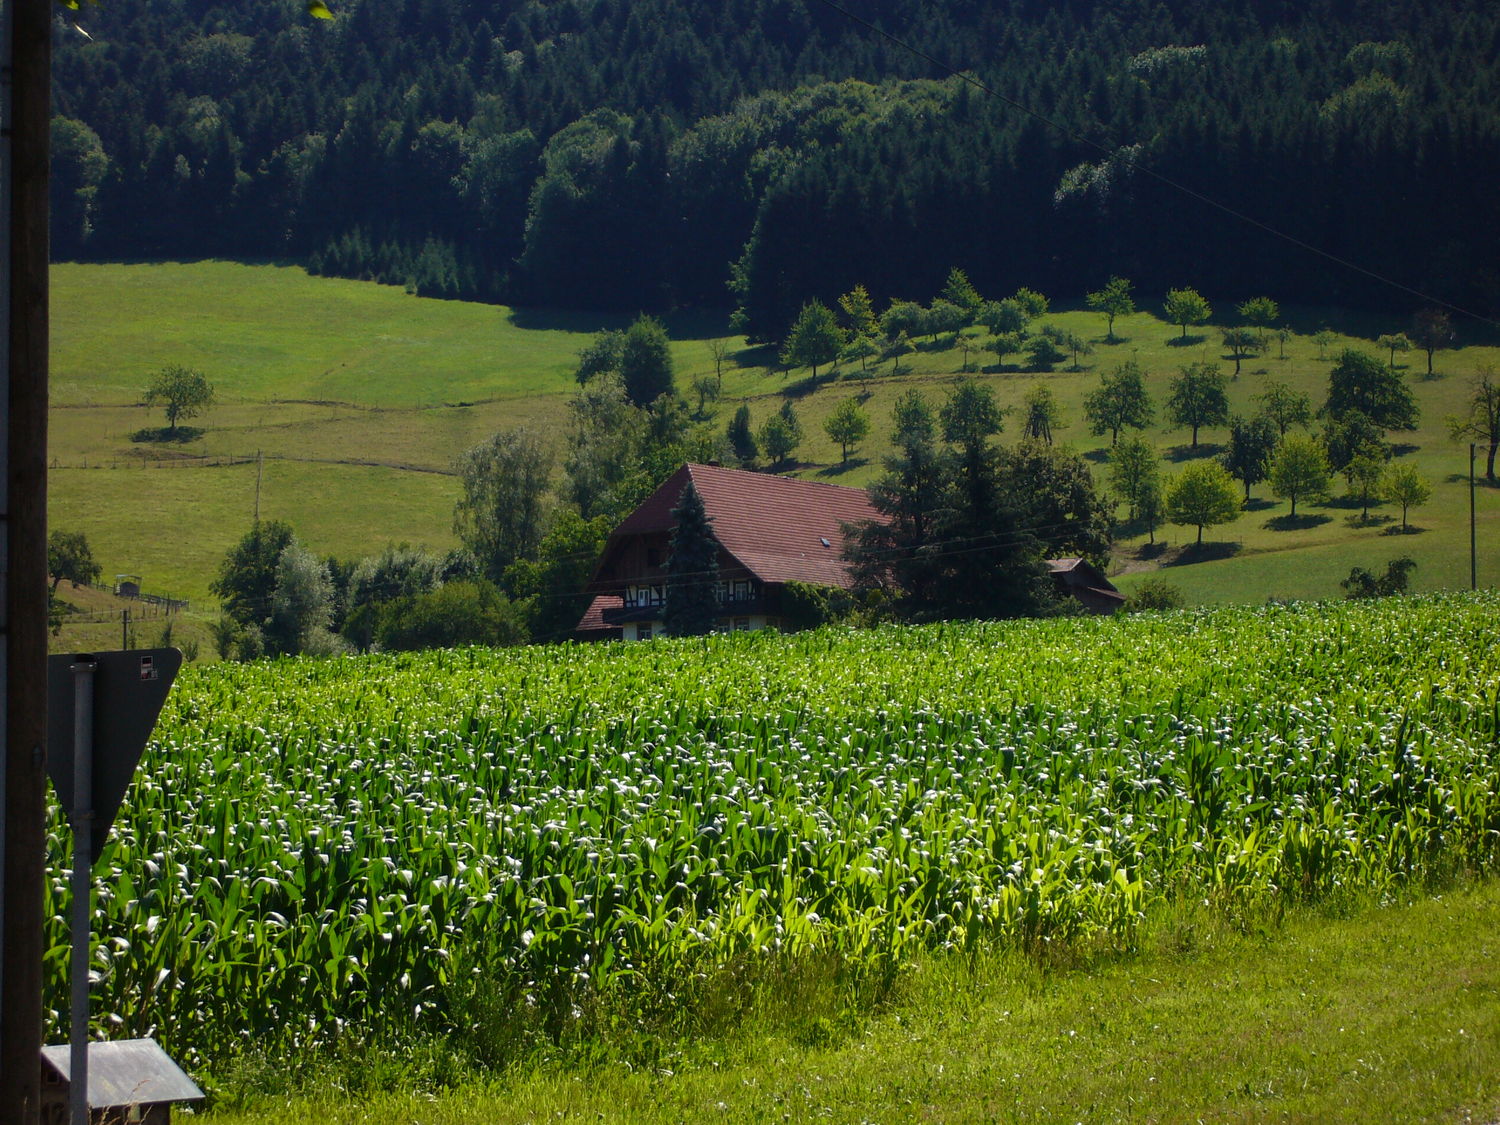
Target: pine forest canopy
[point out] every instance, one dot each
(640, 154)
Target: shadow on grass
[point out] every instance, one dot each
(1297, 523)
(1189, 341)
(1193, 453)
(167, 436)
(844, 467)
(808, 384)
(1202, 552)
(759, 355)
(1403, 448)
(1407, 529)
(1148, 551)
(1258, 504)
(1100, 456)
(1366, 520)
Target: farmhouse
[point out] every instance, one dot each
(771, 530)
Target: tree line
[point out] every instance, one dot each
(641, 155)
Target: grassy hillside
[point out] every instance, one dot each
(359, 396)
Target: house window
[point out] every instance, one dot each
(741, 624)
(643, 632)
(741, 590)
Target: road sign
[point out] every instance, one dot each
(129, 690)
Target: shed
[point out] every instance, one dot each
(127, 585)
(131, 1082)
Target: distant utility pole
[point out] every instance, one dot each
(26, 68)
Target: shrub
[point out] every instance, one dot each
(1155, 593)
(460, 613)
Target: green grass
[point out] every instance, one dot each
(1388, 1015)
(370, 391)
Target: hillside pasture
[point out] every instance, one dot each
(364, 396)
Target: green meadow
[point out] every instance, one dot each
(357, 397)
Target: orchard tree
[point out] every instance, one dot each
(69, 556)
(1284, 406)
(182, 392)
(1006, 343)
(848, 425)
(815, 338)
(1004, 316)
(1251, 442)
(944, 316)
(1350, 437)
(777, 439)
(1261, 313)
(1042, 414)
(1399, 342)
(1403, 485)
(1482, 423)
(1240, 342)
(1432, 329)
(1078, 346)
(1032, 303)
(1042, 352)
(1197, 398)
(1203, 495)
(1299, 470)
(1135, 471)
(1364, 475)
(1324, 338)
(1184, 307)
(1113, 300)
(1119, 401)
(863, 348)
(1361, 382)
(903, 318)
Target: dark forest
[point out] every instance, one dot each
(649, 155)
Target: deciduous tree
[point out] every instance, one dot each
(1284, 406)
(815, 338)
(501, 514)
(1299, 470)
(1043, 415)
(1113, 300)
(646, 361)
(1184, 307)
(1482, 423)
(182, 392)
(1251, 442)
(1119, 401)
(1431, 329)
(1240, 342)
(1202, 495)
(69, 556)
(1197, 398)
(1399, 342)
(1404, 485)
(848, 425)
(1361, 382)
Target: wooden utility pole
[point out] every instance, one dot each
(23, 528)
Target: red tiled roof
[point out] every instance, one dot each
(593, 617)
(782, 529)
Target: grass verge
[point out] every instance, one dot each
(1367, 1014)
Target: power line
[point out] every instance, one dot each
(1137, 166)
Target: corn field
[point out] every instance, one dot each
(313, 846)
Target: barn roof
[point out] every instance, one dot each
(779, 528)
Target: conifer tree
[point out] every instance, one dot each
(692, 603)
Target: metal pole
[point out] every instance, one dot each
(1473, 542)
(83, 864)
